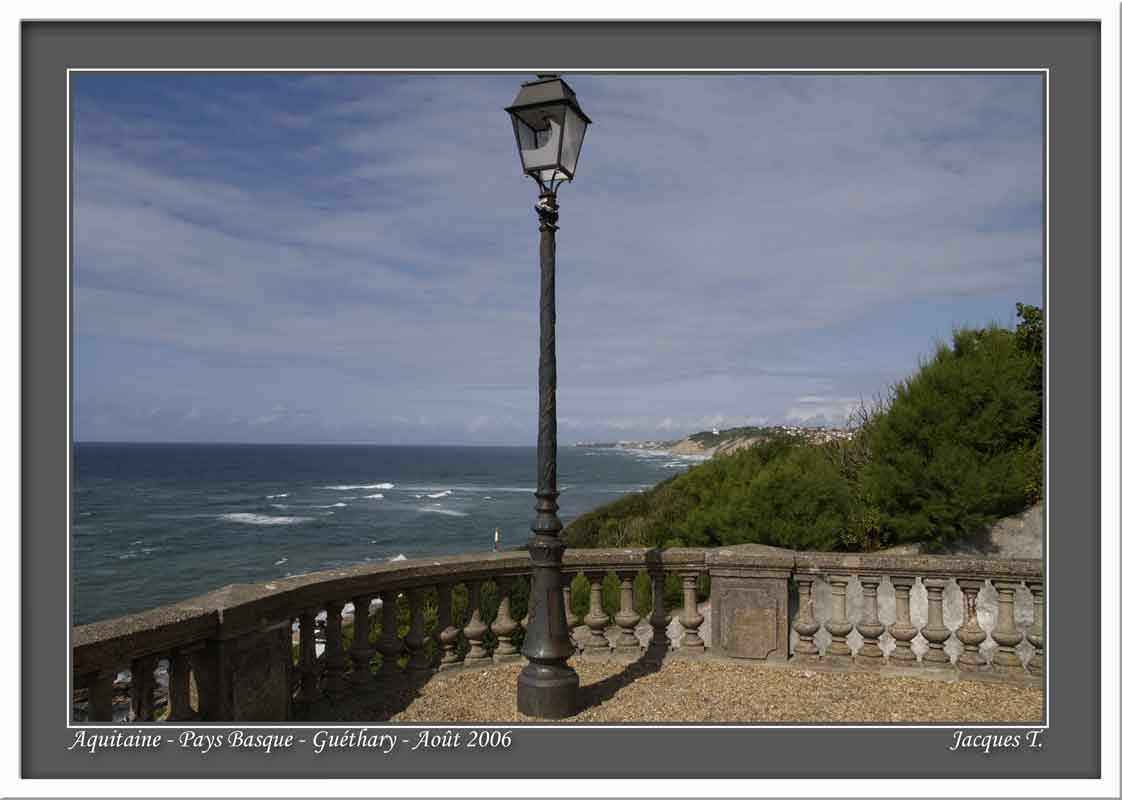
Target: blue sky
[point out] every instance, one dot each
(353, 258)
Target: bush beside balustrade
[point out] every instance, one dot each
(278, 650)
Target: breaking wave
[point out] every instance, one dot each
(263, 519)
(433, 509)
(351, 487)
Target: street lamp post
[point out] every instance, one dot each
(549, 129)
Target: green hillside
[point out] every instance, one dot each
(709, 440)
(956, 446)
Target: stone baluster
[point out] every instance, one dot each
(389, 645)
(475, 629)
(971, 633)
(870, 627)
(935, 631)
(309, 668)
(659, 621)
(571, 619)
(100, 686)
(1036, 632)
(504, 625)
(415, 639)
(902, 630)
(691, 619)
(447, 633)
(179, 687)
(334, 659)
(627, 644)
(361, 648)
(1005, 633)
(596, 619)
(806, 625)
(142, 691)
(839, 625)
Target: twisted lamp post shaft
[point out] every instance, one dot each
(547, 522)
(548, 686)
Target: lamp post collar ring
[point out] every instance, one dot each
(547, 210)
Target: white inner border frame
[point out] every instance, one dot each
(280, 726)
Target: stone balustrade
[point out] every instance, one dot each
(271, 651)
(965, 615)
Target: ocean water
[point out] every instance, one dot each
(154, 524)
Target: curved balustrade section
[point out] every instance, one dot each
(304, 645)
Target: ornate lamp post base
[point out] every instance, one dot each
(548, 690)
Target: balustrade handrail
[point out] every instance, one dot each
(978, 567)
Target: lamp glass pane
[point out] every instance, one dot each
(574, 137)
(539, 137)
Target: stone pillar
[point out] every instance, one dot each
(596, 619)
(1005, 633)
(902, 630)
(247, 677)
(100, 707)
(309, 668)
(971, 633)
(659, 622)
(361, 648)
(839, 625)
(389, 645)
(1036, 632)
(179, 687)
(504, 625)
(935, 631)
(627, 645)
(571, 619)
(448, 634)
(805, 623)
(691, 619)
(475, 629)
(334, 659)
(142, 692)
(870, 627)
(415, 639)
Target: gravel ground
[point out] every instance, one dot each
(706, 691)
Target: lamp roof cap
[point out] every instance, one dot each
(546, 89)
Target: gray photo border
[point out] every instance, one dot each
(1067, 52)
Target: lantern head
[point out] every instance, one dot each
(549, 130)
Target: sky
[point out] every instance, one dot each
(353, 258)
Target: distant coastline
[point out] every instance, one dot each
(705, 444)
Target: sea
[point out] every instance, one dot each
(154, 524)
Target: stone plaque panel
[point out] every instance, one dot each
(747, 623)
(749, 616)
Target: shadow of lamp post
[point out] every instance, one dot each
(549, 129)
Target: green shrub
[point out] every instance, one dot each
(949, 456)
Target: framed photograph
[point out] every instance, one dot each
(447, 400)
